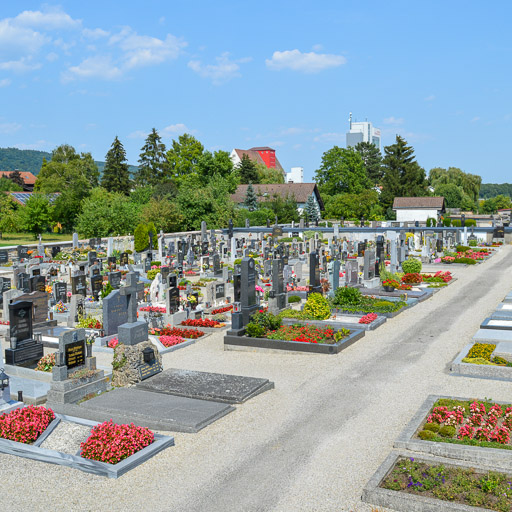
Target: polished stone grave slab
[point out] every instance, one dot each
(232, 389)
(153, 410)
(50, 335)
(504, 350)
(494, 323)
(492, 336)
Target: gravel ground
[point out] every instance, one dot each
(313, 442)
(66, 437)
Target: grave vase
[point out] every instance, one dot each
(89, 349)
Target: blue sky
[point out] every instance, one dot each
(239, 74)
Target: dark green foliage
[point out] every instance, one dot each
(254, 330)
(247, 171)
(107, 289)
(116, 177)
(470, 222)
(293, 298)
(285, 209)
(431, 223)
(447, 431)
(141, 238)
(311, 211)
(462, 248)
(16, 178)
(27, 160)
(466, 261)
(347, 296)
(6, 185)
(152, 161)
(487, 190)
(151, 229)
(456, 223)
(251, 200)
(372, 160)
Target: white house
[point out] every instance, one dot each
(411, 209)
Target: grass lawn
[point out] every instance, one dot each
(27, 238)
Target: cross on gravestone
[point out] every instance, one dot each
(130, 291)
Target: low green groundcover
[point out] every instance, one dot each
(353, 301)
(491, 490)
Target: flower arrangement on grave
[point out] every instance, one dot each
(412, 278)
(48, 288)
(176, 331)
(113, 342)
(201, 322)
(438, 277)
(46, 363)
(112, 443)
(368, 319)
(154, 309)
(89, 322)
(170, 341)
(471, 422)
(448, 259)
(4, 322)
(25, 425)
(221, 310)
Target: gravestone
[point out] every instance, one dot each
(4, 257)
(351, 272)
(133, 331)
(92, 256)
(217, 269)
(248, 299)
(60, 290)
(23, 283)
(277, 297)
(40, 306)
(96, 286)
(172, 299)
(23, 348)
(334, 275)
(79, 285)
(115, 312)
(114, 278)
(124, 259)
(314, 273)
(37, 283)
(8, 297)
(369, 265)
(111, 261)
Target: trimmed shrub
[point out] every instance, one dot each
(293, 298)
(470, 222)
(431, 223)
(347, 296)
(462, 248)
(317, 307)
(254, 330)
(411, 266)
(466, 261)
(426, 435)
(447, 223)
(432, 426)
(141, 238)
(456, 223)
(447, 431)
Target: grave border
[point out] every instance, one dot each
(485, 324)
(234, 342)
(494, 457)
(337, 324)
(481, 371)
(35, 452)
(404, 502)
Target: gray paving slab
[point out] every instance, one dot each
(504, 350)
(34, 391)
(232, 389)
(492, 335)
(161, 411)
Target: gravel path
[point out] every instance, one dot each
(66, 437)
(313, 442)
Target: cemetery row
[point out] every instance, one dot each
(65, 307)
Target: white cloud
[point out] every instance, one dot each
(7, 128)
(394, 120)
(330, 137)
(48, 20)
(294, 130)
(317, 47)
(5, 82)
(52, 56)
(19, 66)
(222, 71)
(40, 144)
(138, 134)
(430, 98)
(16, 42)
(96, 33)
(175, 129)
(304, 62)
(93, 67)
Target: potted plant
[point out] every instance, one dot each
(388, 285)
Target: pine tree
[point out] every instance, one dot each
(311, 210)
(372, 161)
(251, 200)
(116, 177)
(16, 177)
(248, 171)
(152, 161)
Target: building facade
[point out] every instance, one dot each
(296, 175)
(363, 131)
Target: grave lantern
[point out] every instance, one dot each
(149, 355)
(4, 380)
(237, 307)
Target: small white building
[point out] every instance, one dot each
(412, 209)
(296, 175)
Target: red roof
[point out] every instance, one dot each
(28, 177)
(256, 157)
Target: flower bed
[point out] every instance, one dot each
(25, 425)
(153, 309)
(111, 443)
(176, 331)
(465, 486)
(200, 322)
(481, 353)
(307, 334)
(46, 363)
(351, 300)
(221, 310)
(170, 341)
(438, 277)
(368, 319)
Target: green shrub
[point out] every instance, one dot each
(431, 426)
(293, 298)
(431, 223)
(483, 350)
(346, 295)
(465, 261)
(238, 261)
(470, 222)
(266, 320)
(456, 223)
(107, 289)
(426, 435)
(254, 330)
(447, 431)
(141, 238)
(411, 266)
(447, 223)
(151, 274)
(383, 303)
(128, 251)
(473, 243)
(317, 307)
(462, 248)
(151, 229)
(291, 313)
(156, 263)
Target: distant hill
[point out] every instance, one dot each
(30, 160)
(488, 190)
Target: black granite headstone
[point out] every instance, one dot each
(60, 292)
(114, 278)
(4, 257)
(79, 285)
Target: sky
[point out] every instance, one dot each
(284, 74)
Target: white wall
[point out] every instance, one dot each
(411, 215)
(296, 175)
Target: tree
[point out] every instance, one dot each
(452, 194)
(342, 170)
(9, 218)
(311, 210)
(469, 183)
(267, 175)
(36, 215)
(372, 160)
(141, 238)
(165, 215)
(354, 206)
(152, 161)
(210, 164)
(403, 177)
(6, 185)
(116, 177)
(247, 170)
(17, 179)
(285, 208)
(251, 200)
(183, 157)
